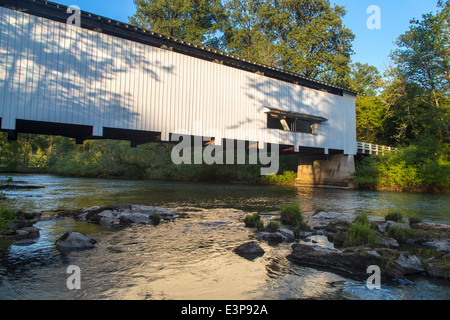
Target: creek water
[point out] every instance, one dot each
(191, 257)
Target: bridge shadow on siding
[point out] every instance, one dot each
(75, 79)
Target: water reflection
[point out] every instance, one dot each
(69, 193)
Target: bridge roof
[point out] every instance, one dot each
(90, 21)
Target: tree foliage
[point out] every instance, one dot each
(420, 88)
(310, 37)
(306, 37)
(192, 20)
(244, 32)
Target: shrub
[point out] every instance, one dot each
(288, 177)
(393, 216)
(422, 166)
(156, 218)
(414, 220)
(252, 220)
(272, 226)
(361, 218)
(6, 217)
(360, 232)
(259, 225)
(401, 234)
(292, 215)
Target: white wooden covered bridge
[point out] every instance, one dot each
(111, 80)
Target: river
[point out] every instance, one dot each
(191, 258)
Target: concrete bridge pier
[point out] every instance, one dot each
(326, 171)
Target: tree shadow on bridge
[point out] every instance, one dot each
(60, 73)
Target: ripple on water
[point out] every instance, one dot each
(190, 258)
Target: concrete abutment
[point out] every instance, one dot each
(326, 171)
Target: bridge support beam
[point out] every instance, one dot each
(326, 171)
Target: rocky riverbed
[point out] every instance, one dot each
(423, 250)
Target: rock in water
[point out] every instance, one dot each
(75, 241)
(351, 262)
(249, 250)
(410, 263)
(441, 245)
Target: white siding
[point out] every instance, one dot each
(52, 72)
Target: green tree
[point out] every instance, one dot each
(310, 38)
(370, 108)
(364, 78)
(191, 20)
(422, 61)
(244, 33)
(405, 114)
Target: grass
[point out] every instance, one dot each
(394, 216)
(414, 220)
(291, 214)
(6, 217)
(272, 226)
(156, 218)
(259, 225)
(399, 233)
(251, 221)
(360, 232)
(362, 218)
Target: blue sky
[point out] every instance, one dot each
(370, 46)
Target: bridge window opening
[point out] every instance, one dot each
(294, 122)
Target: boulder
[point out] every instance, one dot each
(75, 241)
(305, 234)
(289, 235)
(389, 243)
(27, 219)
(27, 233)
(322, 215)
(249, 250)
(353, 262)
(431, 232)
(125, 215)
(409, 263)
(270, 236)
(282, 235)
(440, 245)
(383, 226)
(438, 268)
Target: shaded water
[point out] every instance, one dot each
(192, 257)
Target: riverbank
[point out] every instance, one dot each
(421, 167)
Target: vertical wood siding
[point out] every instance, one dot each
(57, 73)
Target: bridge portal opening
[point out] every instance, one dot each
(293, 122)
